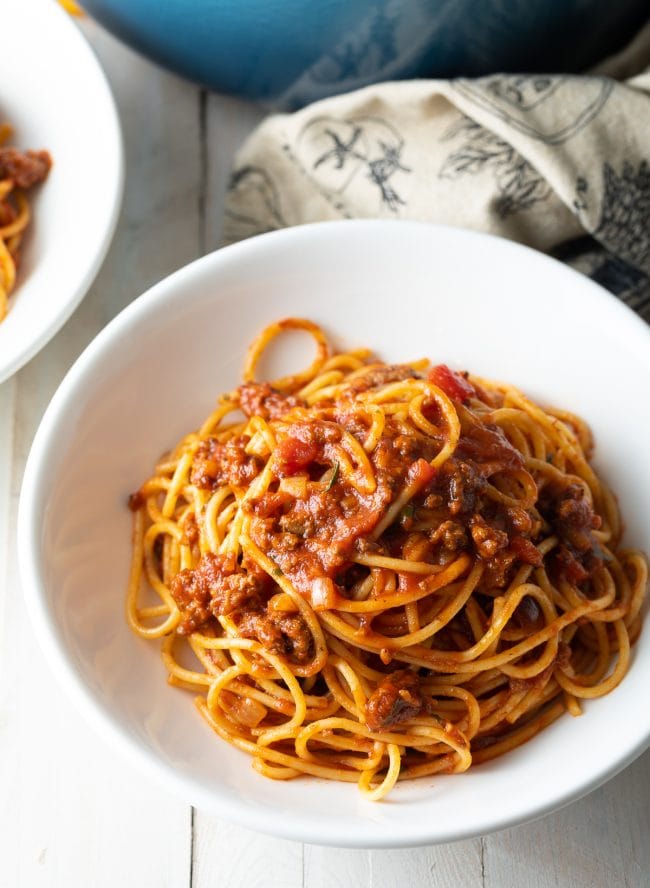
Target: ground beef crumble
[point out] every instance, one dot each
(220, 586)
(216, 463)
(24, 168)
(260, 399)
(396, 699)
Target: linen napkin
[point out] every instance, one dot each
(561, 163)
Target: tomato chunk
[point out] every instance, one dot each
(453, 384)
(420, 474)
(294, 455)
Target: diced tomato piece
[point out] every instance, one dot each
(420, 474)
(270, 504)
(294, 455)
(453, 384)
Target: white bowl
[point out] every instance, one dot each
(407, 290)
(54, 94)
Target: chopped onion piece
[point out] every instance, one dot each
(257, 446)
(323, 594)
(244, 710)
(282, 602)
(295, 485)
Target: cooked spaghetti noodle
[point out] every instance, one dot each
(18, 172)
(377, 572)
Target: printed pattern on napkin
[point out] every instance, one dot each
(561, 163)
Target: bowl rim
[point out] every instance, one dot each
(89, 267)
(99, 718)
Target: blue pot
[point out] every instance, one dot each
(290, 52)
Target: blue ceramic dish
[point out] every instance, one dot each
(290, 52)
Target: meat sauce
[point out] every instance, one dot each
(220, 586)
(216, 463)
(25, 169)
(260, 399)
(396, 699)
(316, 534)
(571, 516)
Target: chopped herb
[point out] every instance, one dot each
(406, 515)
(549, 458)
(335, 474)
(277, 571)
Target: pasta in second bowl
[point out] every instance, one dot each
(54, 95)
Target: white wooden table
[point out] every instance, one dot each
(72, 813)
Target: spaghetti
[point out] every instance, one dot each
(18, 172)
(375, 572)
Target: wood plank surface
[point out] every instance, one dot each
(226, 855)
(602, 841)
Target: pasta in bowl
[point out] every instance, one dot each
(384, 571)
(141, 400)
(19, 172)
